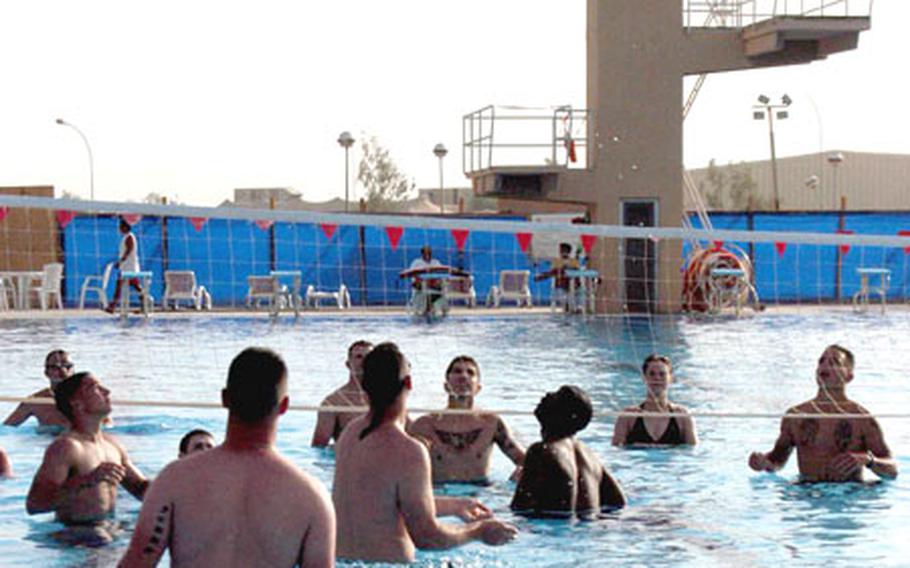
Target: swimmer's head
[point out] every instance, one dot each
(835, 367)
(564, 412)
(356, 352)
(657, 372)
(196, 441)
(256, 385)
(462, 377)
(386, 373)
(82, 394)
(57, 366)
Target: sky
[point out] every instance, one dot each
(191, 99)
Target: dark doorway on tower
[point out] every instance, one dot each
(639, 266)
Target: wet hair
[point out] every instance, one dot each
(358, 343)
(463, 359)
(846, 352)
(63, 394)
(185, 440)
(655, 358)
(568, 412)
(253, 384)
(53, 355)
(382, 381)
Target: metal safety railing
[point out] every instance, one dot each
(525, 136)
(742, 13)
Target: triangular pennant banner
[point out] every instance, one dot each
(264, 224)
(64, 217)
(900, 233)
(524, 240)
(394, 234)
(3, 212)
(781, 247)
(844, 249)
(461, 237)
(198, 222)
(718, 245)
(131, 218)
(328, 229)
(587, 242)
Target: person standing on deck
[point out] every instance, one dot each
(127, 261)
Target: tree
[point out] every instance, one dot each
(386, 187)
(732, 188)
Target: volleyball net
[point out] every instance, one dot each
(756, 262)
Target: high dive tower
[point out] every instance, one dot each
(631, 170)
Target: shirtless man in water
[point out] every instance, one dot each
(830, 448)
(82, 468)
(461, 445)
(561, 475)
(329, 424)
(383, 492)
(57, 367)
(240, 503)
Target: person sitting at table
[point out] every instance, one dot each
(127, 261)
(562, 283)
(633, 428)
(428, 294)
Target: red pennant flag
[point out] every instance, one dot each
(264, 224)
(328, 230)
(844, 249)
(524, 240)
(198, 222)
(781, 247)
(461, 237)
(394, 234)
(131, 218)
(587, 242)
(64, 217)
(718, 245)
(900, 233)
(3, 212)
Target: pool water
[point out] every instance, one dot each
(700, 506)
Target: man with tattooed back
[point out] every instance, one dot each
(461, 445)
(240, 503)
(830, 448)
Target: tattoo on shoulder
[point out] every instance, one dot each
(161, 533)
(501, 436)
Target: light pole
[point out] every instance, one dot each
(345, 140)
(440, 151)
(835, 159)
(765, 108)
(91, 160)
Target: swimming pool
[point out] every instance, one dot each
(687, 507)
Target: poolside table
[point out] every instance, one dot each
(581, 299)
(22, 279)
(295, 299)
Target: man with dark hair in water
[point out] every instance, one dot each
(561, 475)
(829, 448)
(82, 468)
(241, 503)
(329, 424)
(383, 491)
(57, 367)
(195, 441)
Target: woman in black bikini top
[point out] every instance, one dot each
(635, 427)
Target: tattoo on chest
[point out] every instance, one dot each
(806, 431)
(843, 435)
(459, 441)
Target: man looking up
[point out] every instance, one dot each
(57, 367)
(240, 503)
(329, 424)
(383, 491)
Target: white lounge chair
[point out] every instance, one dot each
(513, 285)
(181, 285)
(266, 288)
(461, 288)
(98, 285)
(48, 287)
(313, 297)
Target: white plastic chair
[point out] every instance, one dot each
(462, 288)
(49, 286)
(313, 297)
(513, 285)
(7, 293)
(98, 285)
(181, 285)
(266, 288)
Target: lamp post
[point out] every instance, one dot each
(765, 108)
(91, 160)
(835, 159)
(345, 140)
(440, 151)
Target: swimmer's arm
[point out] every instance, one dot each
(153, 532)
(50, 487)
(690, 434)
(318, 545)
(778, 456)
(325, 427)
(133, 480)
(882, 463)
(19, 415)
(508, 444)
(611, 494)
(6, 469)
(621, 429)
(418, 508)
